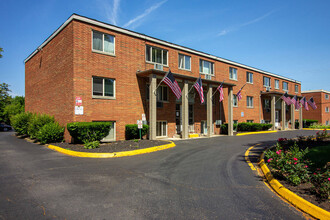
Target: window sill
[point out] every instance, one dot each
(104, 53)
(249, 83)
(184, 69)
(157, 63)
(235, 106)
(233, 79)
(103, 97)
(249, 107)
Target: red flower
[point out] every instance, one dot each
(329, 178)
(295, 163)
(306, 166)
(270, 159)
(295, 159)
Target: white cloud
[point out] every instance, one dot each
(144, 14)
(112, 11)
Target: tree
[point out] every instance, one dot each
(1, 50)
(4, 99)
(16, 106)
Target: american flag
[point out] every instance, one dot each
(295, 101)
(239, 94)
(312, 103)
(198, 86)
(173, 84)
(220, 89)
(303, 101)
(287, 99)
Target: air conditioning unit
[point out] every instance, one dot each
(208, 77)
(268, 88)
(158, 66)
(262, 121)
(218, 122)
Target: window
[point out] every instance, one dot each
(161, 128)
(249, 121)
(232, 73)
(249, 77)
(327, 109)
(184, 62)
(112, 133)
(249, 101)
(162, 94)
(235, 103)
(266, 81)
(191, 114)
(156, 55)
(103, 42)
(206, 67)
(326, 96)
(267, 104)
(103, 87)
(327, 123)
(277, 84)
(296, 88)
(285, 86)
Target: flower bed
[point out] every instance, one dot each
(303, 162)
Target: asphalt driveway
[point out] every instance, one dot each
(198, 179)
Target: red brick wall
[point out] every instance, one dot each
(321, 103)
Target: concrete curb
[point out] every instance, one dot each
(316, 129)
(257, 132)
(291, 197)
(111, 155)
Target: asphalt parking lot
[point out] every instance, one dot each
(198, 179)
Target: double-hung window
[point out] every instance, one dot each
(103, 43)
(156, 55)
(296, 88)
(249, 101)
(162, 94)
(207, 68)
(184, 62)
(277, 84)
(327, 109)
(232, 73)
(285, 86)
(326, 96)
(249, 77)
(103, 87)
(235, 102)
(266, 81)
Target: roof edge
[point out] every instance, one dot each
(314, 91)
(152, 39)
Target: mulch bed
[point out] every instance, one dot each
(114, 146)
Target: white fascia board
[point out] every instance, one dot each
(154, 40)
(313, 91)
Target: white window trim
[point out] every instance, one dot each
(162, 132)
(326, 96)
(184, 55)
(263, 82)
(104, 97)
(326, 109)
(212, 74)
(247, 73)
(102, 52)
(236, 74)
(278, 84)
(296, 86)
(249, 106)
(166, 65)
(285, 90)
(165, 101)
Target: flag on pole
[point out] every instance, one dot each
(220, 89)
(312, 103)
(239, 94)
(287, 99)
(303, 101)
(295, 101)
(173, 84)
(199, 87)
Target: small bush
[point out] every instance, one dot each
(224, 128)
(20, 122)
(50, 133)
(247, 126)
(132, 131)
(37, 122)
(92, 145)
(319, 126)
(266, 127)
(84, 132)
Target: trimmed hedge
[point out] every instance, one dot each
(132, 131)
(20, 122)
(307, 123)
(246, 126)
(84, 132)
(37, 121)
(50, 133)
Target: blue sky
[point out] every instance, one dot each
(289, 38)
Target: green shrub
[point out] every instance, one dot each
(132, 131)
(307, 123)
(320, 126)
(20, 122)
(266, 127)
(50, 133)
(247, 126)
(224, 128)
(36, 122)
(92, 145)
(84, 132)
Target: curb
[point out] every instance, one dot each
(316, 129)
(193, 135)
(291, 197)
(257, 132)
(111, 155)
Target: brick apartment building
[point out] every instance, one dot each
(321, 98)
(115, 71)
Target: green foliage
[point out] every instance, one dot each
(321, 183)
(92, 145)
(20, 122)
(320, 126)
(224, 128)
(132, 131)
(1, 50)
(246, 126)
(307, 123)
(4, 99)
(84, 132)
(15, 107)
(50, 133)
(321, 135)
(36, 122)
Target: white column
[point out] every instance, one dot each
(292, 116)
(230, 112)
(209, 111)
(283, 114)
(272, 111)
(300, 119)
(152, 107)
(185, 107)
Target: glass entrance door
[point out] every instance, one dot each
(178, 118)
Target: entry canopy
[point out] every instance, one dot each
(277, 94)
(177, 76)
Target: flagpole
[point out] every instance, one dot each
(217, 88)
(191, 88)
(162, 81)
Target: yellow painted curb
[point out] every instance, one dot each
(316, 129)
(257, 132)
(291, 197)
(193, 135)
(111, 155)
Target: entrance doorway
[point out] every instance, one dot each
(277, 119)
(178, 118)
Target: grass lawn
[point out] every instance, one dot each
(319, 156)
